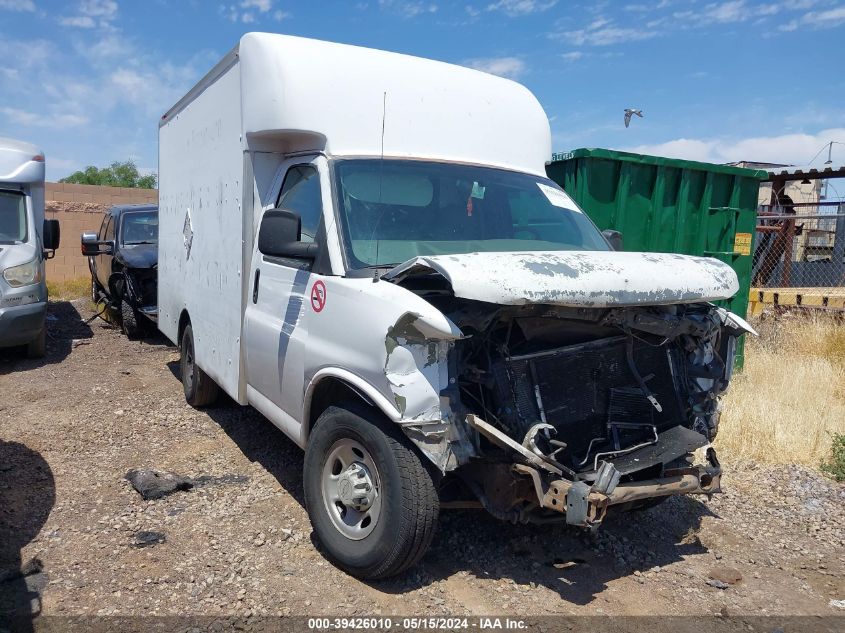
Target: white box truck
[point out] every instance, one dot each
(26, 241)
(364, 246)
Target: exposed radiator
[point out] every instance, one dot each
(579, 389)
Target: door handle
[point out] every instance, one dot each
(255, 285)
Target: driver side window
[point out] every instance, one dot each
(301, 194)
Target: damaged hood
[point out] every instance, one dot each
(138, 255)
(577, 278)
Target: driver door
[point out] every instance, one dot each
(275, 331)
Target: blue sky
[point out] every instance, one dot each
(742, 79)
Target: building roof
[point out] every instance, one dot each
(792, 172)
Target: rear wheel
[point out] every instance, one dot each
(95, 290)
(200, 389)
(37, 348)
(372, 502)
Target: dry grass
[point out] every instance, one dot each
(787, 403)
(70, 289)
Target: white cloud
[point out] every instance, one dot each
(603, 35)
(17, 5)
(34, 119)
(408, 8)
(250, 11)
(645, 21)
(733, 11)
(99, 97)
(91, 13)
(794, 149)
(105, 49)
(645, 8)
(105, 9)
(260, 5)
(817, 20)
(516, 8)
(79, 21)
(509, 67)
(574, 56)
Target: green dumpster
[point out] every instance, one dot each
(668, 205)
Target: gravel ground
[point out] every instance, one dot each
(241, 544)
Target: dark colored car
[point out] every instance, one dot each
(123, 258)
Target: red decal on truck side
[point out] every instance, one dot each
(318, 296)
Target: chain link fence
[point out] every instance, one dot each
(800, 245)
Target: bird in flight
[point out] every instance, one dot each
(629, 112)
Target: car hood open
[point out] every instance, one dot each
(577, 278)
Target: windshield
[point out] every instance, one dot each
(12, 217)
(139, 227)
(393, 210)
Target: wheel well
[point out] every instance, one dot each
(184, 320)
(333, 391)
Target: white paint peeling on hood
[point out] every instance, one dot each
(578, 278)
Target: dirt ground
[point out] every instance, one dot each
(73, 425)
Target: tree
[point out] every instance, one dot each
(119, 174)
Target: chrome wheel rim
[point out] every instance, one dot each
(351, 489)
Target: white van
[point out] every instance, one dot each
(26, 241)
(364, 246)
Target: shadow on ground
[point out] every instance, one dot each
(66, 327)
(258, 440)
(574, 563)
(27, 495)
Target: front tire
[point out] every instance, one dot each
(129, 321)
(370, 533)
(200, 389)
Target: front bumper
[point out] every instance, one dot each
(586, 505)
(20, 325)
(584, 497)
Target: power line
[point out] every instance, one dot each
(825, 146)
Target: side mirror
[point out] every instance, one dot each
(614, 238)
(91, 246)
(52, 233)
(280, 234)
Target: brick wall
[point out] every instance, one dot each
(80, 208)
(62, 192)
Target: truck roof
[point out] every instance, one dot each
(300, 94)
(20, 162)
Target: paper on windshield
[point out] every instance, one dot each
(558, 198)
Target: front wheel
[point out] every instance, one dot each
(372, 502)
(200, 389)
(129, 321)
(37, 347)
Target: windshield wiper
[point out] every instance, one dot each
(369, 271)
(140, 242)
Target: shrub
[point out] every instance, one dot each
(835, 466)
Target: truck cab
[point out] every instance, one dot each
(365, 247)
(26, 241)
